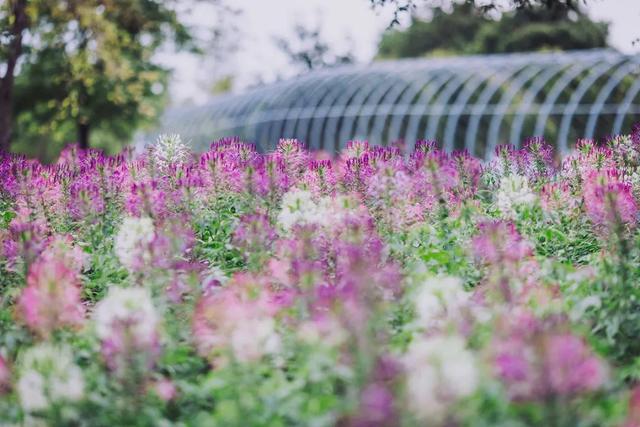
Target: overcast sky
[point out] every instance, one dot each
(346, 24)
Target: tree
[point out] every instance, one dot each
(308, 51)
(466, 30)
(407, 6)
(87, 65)
(14, 19)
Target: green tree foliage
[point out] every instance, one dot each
(308, 51)
(87, 68)
(404, 6)
(467, 30)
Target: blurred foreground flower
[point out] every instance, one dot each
(440, 371)
(225, 321)
(127, 325)
(51, 299)
(48, 376)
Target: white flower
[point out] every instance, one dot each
(298, 207)
(514, 191)
(326, 331)
(440, 298)
(169, 149)
(132, 241)
(48, 375)
(254, 337)
(130, 306)
(440, 370)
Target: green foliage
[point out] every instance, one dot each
(466, 30)
(437, 247)
(88, 66)
(557, 235)
(214, 228)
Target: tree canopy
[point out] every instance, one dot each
(467, 30)
(84, 65)
(407, 6)
(308, 51)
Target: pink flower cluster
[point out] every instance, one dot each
(537, 359)
(52, 298)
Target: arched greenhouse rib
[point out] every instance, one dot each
(472, 102)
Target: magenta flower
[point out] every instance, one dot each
(254, 234)
(608, 200)
(498, 242)
(537, 358)
(376, 407)
(571, 366)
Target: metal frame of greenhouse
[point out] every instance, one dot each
(471, 102)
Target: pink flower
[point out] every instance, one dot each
(608, 200)
(254, 234)
(537, 358)
(126, 323)
(165, 389)
(557, 197)
(51, 299)
(499, 241)
(25, 239)
(571, 367)
(228, 324)
(376, 407)
(633, 415)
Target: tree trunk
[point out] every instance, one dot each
(83, 135)
(6, 114)
(20, 22)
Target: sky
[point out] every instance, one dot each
(347, 25)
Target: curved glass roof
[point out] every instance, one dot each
(472, 102)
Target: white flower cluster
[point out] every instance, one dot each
(439, 299)
(254, 337)
(440, 371)
(169, 149)
(130, 306)
(298, 207)
(48, 376)
(634, 180)
(514, 191)
(132, 241)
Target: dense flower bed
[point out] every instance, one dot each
(290, 288)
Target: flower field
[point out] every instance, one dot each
(234, 288)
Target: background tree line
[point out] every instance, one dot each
(84, 70)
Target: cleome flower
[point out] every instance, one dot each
(169, 150)
(132, 243)
(51, 299)
(514, 192)
(440, 371)
(298, 208)
(127, 325)
(226, 325)
(439, 299)
(48, 375)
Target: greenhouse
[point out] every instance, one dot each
(472, 102)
